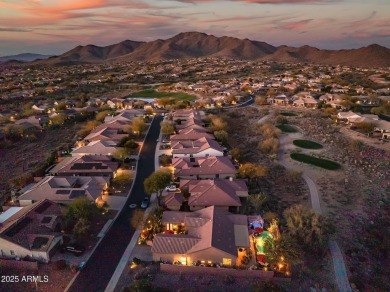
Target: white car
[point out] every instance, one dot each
(171, 188)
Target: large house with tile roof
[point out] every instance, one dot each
(63, 190)
(31, 232)
(208, 236)
(191, 135)
(106, 147)
(205, 193)
(203, 147)
(106, 134)
(219, 167)
(87, 165)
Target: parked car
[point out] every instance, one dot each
(165, 146)
(75, 249)
(145, 203)
(171, 188)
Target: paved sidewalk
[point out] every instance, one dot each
(337, 257)
(339, 267)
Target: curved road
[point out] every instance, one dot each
(103, 262)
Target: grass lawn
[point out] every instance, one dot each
(324, 163)
(287, 128)
(307, 144)
(151, 93)
(288, 114)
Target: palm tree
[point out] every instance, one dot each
(257, 201)
(305, 226)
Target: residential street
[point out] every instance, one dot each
(103, 262)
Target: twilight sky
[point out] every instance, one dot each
(56, 26)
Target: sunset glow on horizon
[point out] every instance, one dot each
(54, 26)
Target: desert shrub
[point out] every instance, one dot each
(102, 115)
(165, 160)
(355, 145)
(268, 130)
(269, 146)
(364, 127)
(221, 136)
(261, 100)
(218, 124)
(293, 175)
(22, 180)
(330, 111)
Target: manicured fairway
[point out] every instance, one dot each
(307, 144)
(323, 163)
(288, 114)
(287, 129)
(151, 93)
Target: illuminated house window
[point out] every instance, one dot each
(183, 260)
(226, 262)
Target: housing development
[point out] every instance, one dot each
(199, 174)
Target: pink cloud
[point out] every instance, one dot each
(296, 24)
(263, 1)
(228, 19)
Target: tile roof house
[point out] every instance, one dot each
(280, 100)
(106, 147)
(33, 232)
(65, 189)
(186, 114)
(87, 165)
(190, 123)
(308, 102)
(350, 117)
(191, 135)
(205, 193)
(113, 124)
(202, 147)
(212, 235)
(203, 168)
(125, 115)
(105, 134)
(382, 126)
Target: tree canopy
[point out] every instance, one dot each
(139, 125)
(305, 226)
(156, 183)
(252, 171)
(167, 128)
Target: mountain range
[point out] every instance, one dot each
(26, 57)
(196, 44)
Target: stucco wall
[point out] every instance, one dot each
(217, 271)
(6, 247)
(211, 254)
